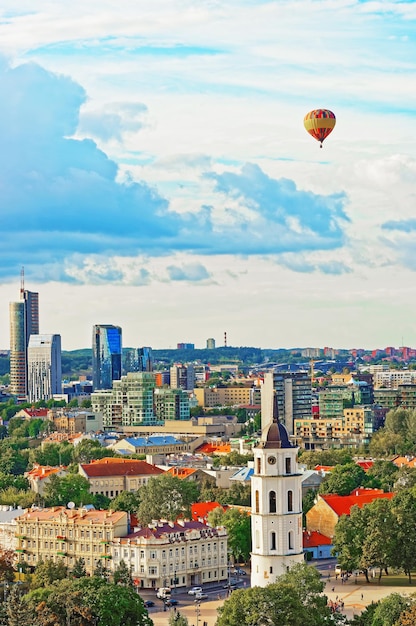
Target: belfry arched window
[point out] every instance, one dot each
(257, 502)
(272, 502)
(290, 500)
(273, 541)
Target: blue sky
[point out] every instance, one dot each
(156, 173)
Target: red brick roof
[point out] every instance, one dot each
(313, 539)
(120, 467)
(36, 412)
(365, 464)
(342, 505)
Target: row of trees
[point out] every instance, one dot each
(379, 535)
(57, 597)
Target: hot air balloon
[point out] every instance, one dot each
(319, 123)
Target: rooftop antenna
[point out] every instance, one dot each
(22, 282)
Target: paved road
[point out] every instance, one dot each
(355, 596)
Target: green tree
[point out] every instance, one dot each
(389, 610)
(296, 599)
(53, 454)
(384, 443)
(343, 479)
(90, 449)
(101, 571)
(312, 458)
(403, 509)
(79, 570)
(377, 552)
(239, 494)
(47, 572)
(166, 497)
(238, 525)
(61, 490)
(17, 497)
(122, 575)
(126, 501)
(382, 475)
(177, 619)
(349, 536)
(17, 609)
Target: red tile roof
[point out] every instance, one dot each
(200, 510)
(120, 467)
(313, 539)
(214, 448)
(365, 464)
(36, 412)
(342, 505)
(181, 472)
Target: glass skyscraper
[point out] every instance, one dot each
(106, 355)
(24, 321)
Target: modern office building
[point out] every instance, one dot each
(106, 355)
(294, 396)
(44, 367)
(24, 321)
(182, 377)
(138, 359)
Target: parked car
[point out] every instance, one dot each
(171, 602)
(200, 596)
(239, 571)
(338, 569)
(194, 591)
(148, 603)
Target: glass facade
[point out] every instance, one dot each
(106, 355)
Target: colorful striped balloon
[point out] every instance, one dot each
(319, 123)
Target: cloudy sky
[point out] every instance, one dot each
(156, 174)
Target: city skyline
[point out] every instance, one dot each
(159, 178)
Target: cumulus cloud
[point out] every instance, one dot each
(112, 121)
(194, 272)
(61, 201)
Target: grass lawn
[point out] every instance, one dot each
(392, 580)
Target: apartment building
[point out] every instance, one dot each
(110, 476)
(354, 428)
(173, 555)
(223, 396)
(61, 533)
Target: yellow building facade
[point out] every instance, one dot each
(69, 534)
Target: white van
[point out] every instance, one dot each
(163, 593)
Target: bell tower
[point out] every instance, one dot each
(276, 503)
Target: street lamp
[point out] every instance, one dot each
(197, 611)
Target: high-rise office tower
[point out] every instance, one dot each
(44, 367)
(24, 321)
(106, 355)
(138, 359)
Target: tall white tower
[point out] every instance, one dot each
(276, 496)
(44, 367)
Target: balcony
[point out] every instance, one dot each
(60, 538)
(20, 536)
(61, 553)
(105, 542)
(20, 550)
(105, 556)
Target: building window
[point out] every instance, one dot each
(258, 465)
(290, 540)
(290, 500)
(270, 570)
(288, 465)
(257, 502)
(273, 541)
(272, 502)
